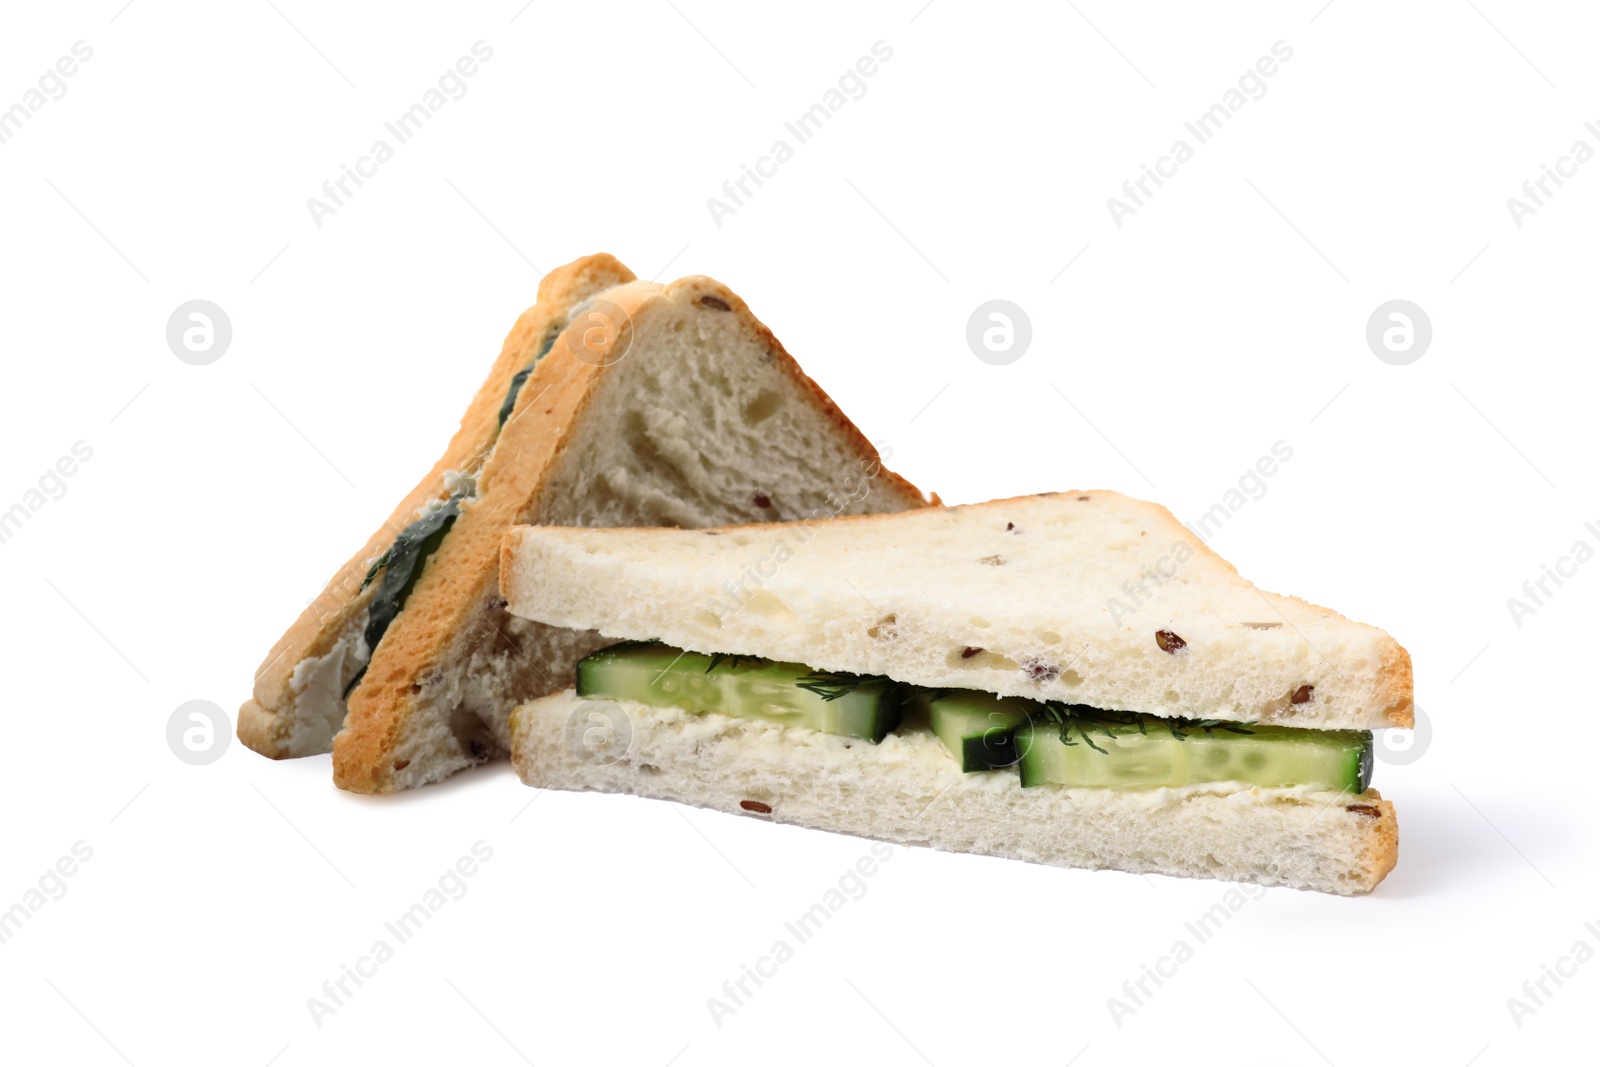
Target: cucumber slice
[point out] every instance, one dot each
(744, 687)
(1268, 756)
(976, 727)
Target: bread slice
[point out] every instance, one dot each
(298, 701)
(654, 405)
(908, 790)
(1085, 597)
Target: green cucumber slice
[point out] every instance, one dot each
(1128, 758)
(976, 727)
(744, 687)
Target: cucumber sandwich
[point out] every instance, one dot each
(614, 402)
(1071, 678)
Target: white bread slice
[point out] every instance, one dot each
(908, 790)
(656, 405)
(1065, 596)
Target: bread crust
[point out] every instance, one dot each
(462, 580)
(266, 719)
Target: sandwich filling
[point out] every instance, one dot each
(1051, 743)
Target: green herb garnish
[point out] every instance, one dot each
(832, 685)
(1086, 720)
(733, 662)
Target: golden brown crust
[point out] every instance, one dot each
(1394, 677)
(266, 719)
(1377, 834)
(697, 286)
(1383, 850)
(463, 577)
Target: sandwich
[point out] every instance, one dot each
(614, 402)
(1070, 679)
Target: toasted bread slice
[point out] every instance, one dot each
(1086, 597)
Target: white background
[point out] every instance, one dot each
(1228, 314)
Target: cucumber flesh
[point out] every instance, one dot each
(1267, 756)
(746, 688)
(976, 727)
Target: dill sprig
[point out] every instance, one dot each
(1179, 727)
(734, 662)
(832, 685)
(1084, 720)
